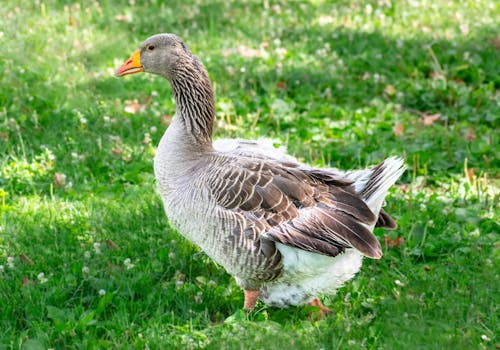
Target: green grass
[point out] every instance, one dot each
(341, 84)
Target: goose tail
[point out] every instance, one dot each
(373, 184)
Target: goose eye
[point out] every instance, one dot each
(151, 47)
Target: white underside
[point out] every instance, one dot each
(307, 275)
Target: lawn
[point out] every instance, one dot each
(87, 257)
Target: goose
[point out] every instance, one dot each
(287, 232)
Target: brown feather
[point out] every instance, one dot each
(329, 177)
(315, 210)
(271, 197)
(253, 202)
(288, 236)
(296, 191)
(385, 221)
(352, 204)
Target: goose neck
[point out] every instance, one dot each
(195, 104)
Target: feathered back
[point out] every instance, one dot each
(311, 209)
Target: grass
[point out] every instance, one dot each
(87, 258)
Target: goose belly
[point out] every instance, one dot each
(308, 275)
(195, 223)
(212, 230)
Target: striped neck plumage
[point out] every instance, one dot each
(194, 97)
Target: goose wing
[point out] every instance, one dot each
(310, 209)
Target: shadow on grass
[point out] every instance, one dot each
(391, 81)
(385, 77)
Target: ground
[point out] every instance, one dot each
(87, 257)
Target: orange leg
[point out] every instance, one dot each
(323, 310)
(250, 299)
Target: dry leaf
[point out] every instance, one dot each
(496, 43)
(123, 18)
(116, 151)
(470, 135)
(71, 21)
(147, 139)
(59, 180)
(276, 9)
(166, 120)
(403, 188)
(281, 85)
(26, 281)
(112, 245)
(398, 129)
(393, 242)
(429, 119)
(390, 90)
(25, 259)
(132, 107)
(436, 75)
(113, 268)
(146, 101)
(427, 268)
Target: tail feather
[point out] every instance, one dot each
(385, 221)
(374, 183)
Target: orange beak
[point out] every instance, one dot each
(133, 65)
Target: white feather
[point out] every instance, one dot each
(266, 147)
(393, 169)
(307, 275)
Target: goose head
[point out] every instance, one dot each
(167, 56)
(160, 54)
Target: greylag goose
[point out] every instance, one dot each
(287, 232)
